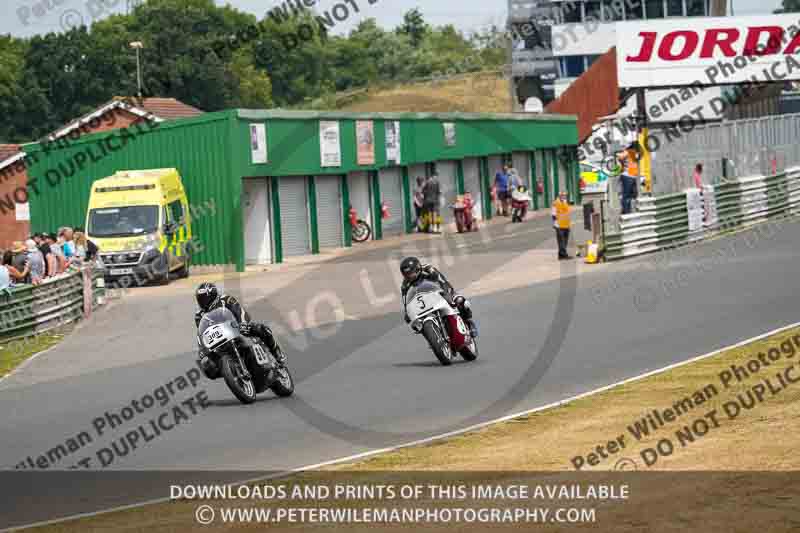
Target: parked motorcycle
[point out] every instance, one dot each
(244, 362)
(440, 323)
(360, 230)
(463, 215)
(519, 203)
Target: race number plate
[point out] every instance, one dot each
(423, 304)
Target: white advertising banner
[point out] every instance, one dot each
(694, 204)
(258, 143)
(329, 145)
(392, 129)
(706, 51)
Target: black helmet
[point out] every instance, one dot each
(207, 295)
(411, 268)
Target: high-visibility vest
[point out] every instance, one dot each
(561, 212)
(633, 164)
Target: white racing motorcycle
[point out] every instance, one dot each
(439, 322)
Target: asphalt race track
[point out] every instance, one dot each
(364, 381)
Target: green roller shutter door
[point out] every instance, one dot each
(392, 194)
(447, 182)
(472, 184)
(294, 216)
(329, 211)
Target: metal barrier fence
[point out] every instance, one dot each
(680, 218)
(728, 150)
(33, 309)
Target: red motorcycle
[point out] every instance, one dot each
(360, 229)
(462, 212)
(519, 204)
(433, 317)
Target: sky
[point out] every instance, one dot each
(23, 18)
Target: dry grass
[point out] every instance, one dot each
(478, 93)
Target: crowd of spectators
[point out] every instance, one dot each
(45, 255)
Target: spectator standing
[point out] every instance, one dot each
(629, 180)
(561, 222)
(5, 276)
(15, 275)
(19, 256)
(67, 243)
(501, 183)
(419, 200)
(431, 194)
(60, 261)
(698, 175)
(91, 247)
(35, 262)
(50, 261)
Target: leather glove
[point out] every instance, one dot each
(245, 328)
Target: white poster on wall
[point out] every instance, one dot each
(329, 145)
(258, 143)
(392, 128)
(23, 212)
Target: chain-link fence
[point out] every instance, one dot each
(728, 150)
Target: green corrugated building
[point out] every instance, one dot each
(281, 183)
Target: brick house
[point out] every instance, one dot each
(119, 113)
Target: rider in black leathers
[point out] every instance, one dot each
(414, 271)
(209, 298)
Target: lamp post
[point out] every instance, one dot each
(138, 45)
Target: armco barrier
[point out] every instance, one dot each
(33, 309)
(663, 221)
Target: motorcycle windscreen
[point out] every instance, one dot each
(217, 316)
(424, 299)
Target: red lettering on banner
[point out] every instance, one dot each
(714, 39)
(648, 42)
(690, 41)
(793, 44)
(751, 45)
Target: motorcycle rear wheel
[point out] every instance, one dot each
(284, 385)
(440, 346)
(243, 389)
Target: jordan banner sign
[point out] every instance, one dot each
(708, 51)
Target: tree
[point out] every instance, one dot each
(414, 26)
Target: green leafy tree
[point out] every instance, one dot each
(414, 26)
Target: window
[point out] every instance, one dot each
(654, 9)
(674, 8)
(572, 66)
(592, 11)
(634, 10)
(695, 8)
(590, 60)
(571, 12)
(176, 210)
(613, 10)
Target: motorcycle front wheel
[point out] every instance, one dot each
(284, 384)
(439, 345)
(241, 387)
(361, 231)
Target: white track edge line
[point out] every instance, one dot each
(427, 440)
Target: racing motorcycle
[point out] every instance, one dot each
(440, 323)
(244, 362)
